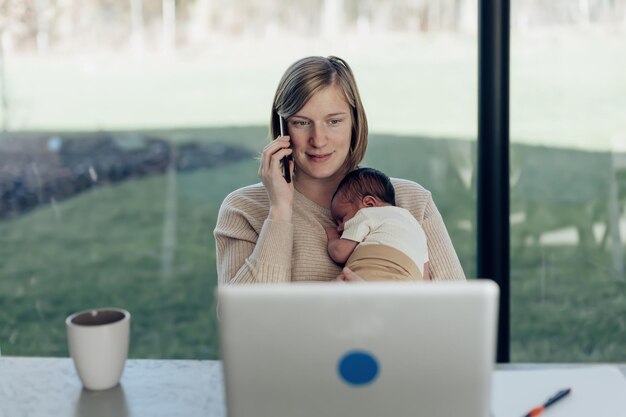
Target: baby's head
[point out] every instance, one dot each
(363, 187)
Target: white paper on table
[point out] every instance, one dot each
(597, 391)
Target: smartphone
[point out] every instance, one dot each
(286, 172)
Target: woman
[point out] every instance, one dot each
(275, 231)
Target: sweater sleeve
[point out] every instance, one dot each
(245, 254)
(444, 262)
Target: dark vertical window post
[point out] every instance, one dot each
(493, 157)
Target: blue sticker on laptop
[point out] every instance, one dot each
(358, 368)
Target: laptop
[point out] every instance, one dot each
(358, 349)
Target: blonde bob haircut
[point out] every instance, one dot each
(306, 77)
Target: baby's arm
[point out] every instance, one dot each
(339, 249)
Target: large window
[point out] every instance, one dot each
(126, 123)
(568, 181)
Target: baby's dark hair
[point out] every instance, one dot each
(367, 181)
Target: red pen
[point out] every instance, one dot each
(556, 397)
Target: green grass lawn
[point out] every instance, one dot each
(105, 247)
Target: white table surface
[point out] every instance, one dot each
(41, 387)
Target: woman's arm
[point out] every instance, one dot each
(254, 231)
(444, 264)
(251, 248)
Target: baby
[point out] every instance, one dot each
(374, 238)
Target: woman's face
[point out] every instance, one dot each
(320, 133)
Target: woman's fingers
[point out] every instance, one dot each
(273, 153)
(279, 142)
(349, 275)
(274, 163)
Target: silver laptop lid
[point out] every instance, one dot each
(371, 349)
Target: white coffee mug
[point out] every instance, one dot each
(98, 343)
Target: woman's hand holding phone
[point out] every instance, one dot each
(271, 173)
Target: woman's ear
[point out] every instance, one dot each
(370, 201)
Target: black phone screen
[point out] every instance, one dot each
(286, 172)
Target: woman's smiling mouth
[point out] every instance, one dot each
(320, 158)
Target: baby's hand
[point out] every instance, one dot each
(332, 233)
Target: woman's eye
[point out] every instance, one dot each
(335, 121)
(300, 123)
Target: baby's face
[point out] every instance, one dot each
(343, 210)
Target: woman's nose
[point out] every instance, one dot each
(318, 137)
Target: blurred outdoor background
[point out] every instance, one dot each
(126, 122)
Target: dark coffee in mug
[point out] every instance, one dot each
(98, 317)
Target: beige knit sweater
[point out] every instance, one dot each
(250, 248)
